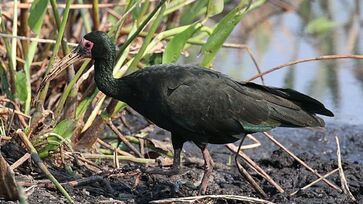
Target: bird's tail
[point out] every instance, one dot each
(289, 116)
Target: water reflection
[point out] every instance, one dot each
(283, 38)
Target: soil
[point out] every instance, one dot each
(317, 148)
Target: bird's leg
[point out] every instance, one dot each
(208, 168)
(175, 169)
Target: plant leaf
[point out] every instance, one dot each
(224, 29)
(191, 13)
(177, 43)
(215, 7)
(36, 16)
(21, 86)
(65, 128)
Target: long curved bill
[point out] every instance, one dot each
(61, 65)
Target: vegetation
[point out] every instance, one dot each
(70, 113)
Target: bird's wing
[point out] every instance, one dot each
(211, 103)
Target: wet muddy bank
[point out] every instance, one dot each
(316, 147)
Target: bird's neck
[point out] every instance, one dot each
(115, 88)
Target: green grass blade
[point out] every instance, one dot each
(21, 89)
(68, 89)
(196, 10)
(58, 23)
(85, 17)
(224, 29)
(155, 24)
(214, 7)
(56, 47)
(36, 16)
(177, 43)
(35, 22)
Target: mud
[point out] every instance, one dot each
(317, 148)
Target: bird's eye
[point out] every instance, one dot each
(87, 45)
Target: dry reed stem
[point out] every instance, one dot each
(314, 182)
(249, 51)
(20, 161)
(108, 146)
(255, 166)
(86, 161)
(40, 40)
(301, 162)
(251, 146)
(325, 57)
(246, 175)
(124, 158)
(123, 139)
(195, 199)
(116, 162)
(343, 180)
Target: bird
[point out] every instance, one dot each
(195, 103)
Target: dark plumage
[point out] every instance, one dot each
(200, 105)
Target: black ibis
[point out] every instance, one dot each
(195, 104)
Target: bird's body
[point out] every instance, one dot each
(205, 106)
(197, 104)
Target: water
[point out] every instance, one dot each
(336, 83)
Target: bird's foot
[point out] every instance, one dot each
(203, 186)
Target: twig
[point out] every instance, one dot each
(20, 114)
(142, 147)
(301, 162)
(8, 185)
(40, 40)
(251, 146)
(194, 199)
(126, 158)
(257, 168)
(20, 161)
(14, 111)
(246, 175)
(123, 139)
(255, 63)
(343, 180)
(105, 144)
(115, 160)
(325, 57)
(314, 182)
(86, 161)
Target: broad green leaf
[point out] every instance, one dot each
(119, 106)
(320, 25)
(36, 16)
(153, 58)
(223, 30)
(190, 14)
(21, 90)
(215, 7)
(61, 133)
(83, 105)
(65, 128)
(176, 44)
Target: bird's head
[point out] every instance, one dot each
(96, 45)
